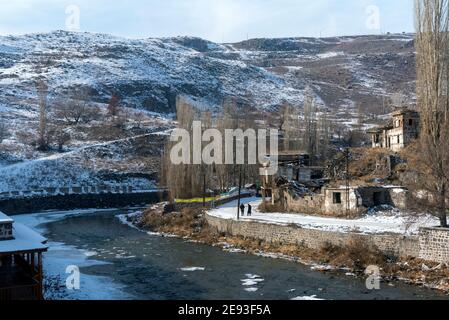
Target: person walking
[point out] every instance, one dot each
(242, 209)
(250, 209)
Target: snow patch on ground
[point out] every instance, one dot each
(384, 220)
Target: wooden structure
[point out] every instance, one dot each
(21, 271)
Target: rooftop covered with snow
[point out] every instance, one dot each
(25, 240)
(5, 219)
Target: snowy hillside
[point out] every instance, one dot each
(147, 74)
(347, 75)
(150, 73)
(127, 162)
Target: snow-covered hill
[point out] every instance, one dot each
(149, 73)
(347, 75)
(146, 73)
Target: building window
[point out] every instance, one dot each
(337, 197)
(410, 122)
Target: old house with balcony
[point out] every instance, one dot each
(21, 271)
(398, 133)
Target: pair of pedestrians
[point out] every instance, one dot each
(242, 210)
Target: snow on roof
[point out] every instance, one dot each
(25, 240)
(5, 219)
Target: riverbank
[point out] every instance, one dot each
(351, 259)
(126, 262)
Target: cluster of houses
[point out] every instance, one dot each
(301, 188)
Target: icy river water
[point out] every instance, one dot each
(120, 262)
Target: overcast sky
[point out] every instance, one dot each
(216, 20)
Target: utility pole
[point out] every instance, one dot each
(240, 193)
(204, 188)
(348, 207)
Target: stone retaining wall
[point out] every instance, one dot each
(390, 244)
(434, 244)
(80, 201)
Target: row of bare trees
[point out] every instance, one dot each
(312, 131)
(195, 180)
(309, 130)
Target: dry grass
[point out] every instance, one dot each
(183, 223)
(268, 207)
(357, 255)
(364, 164)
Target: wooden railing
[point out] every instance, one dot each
(76, 190)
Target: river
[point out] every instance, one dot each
(118, 261)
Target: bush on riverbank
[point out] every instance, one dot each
(357, 255)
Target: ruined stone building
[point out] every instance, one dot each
(341, 201)
(292, 166)
(398, 133)
(300, 188)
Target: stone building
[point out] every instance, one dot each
(398, 133)
(340, 201)
(294, 166)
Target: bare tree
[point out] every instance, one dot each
(61, 138)
(310, 127)
(324, 136)
(42, 91)
(74, 110)
(4, 133)
(114, 105)
(432, 46)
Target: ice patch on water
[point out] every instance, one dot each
(124, 219)
(90, 254)
(192, 269)
(61, 255)
(307, 298)
(322, 268)
(251, 281)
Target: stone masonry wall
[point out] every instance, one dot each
(390, 244)
(434, 244)
(80, 201)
